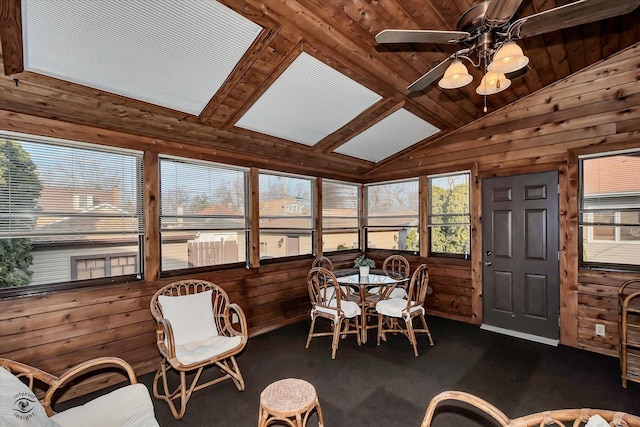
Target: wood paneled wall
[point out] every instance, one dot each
(596, 110)
(58, 330)
(450, 280)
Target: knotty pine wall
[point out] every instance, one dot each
(596, 110)
(593, 111)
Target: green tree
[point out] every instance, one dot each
(412, 240)
(20, 187)
(450, 218)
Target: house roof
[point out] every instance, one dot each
(312, 68)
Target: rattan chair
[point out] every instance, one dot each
(324, 262)
(558, 417)
(128, 405)
(333, 303)
(391, 310)
(396, 267)
(196, 329)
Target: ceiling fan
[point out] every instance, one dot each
(486, 35)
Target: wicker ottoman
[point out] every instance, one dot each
(290, 401)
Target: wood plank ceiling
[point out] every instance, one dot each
(341, 34)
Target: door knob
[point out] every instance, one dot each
(487, 263)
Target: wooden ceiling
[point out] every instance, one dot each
(337, 32)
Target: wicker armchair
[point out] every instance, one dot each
(558, 417)
(195, 330)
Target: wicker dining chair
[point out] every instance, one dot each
(557, 417)
(396, 267)
(196, 329)
(322, 261)
(332, 302)
(391, 310)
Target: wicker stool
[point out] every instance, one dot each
(291, 401)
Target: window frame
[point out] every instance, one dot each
(138, 213)
(367, 227)
(205, 268)
(285, 232)
(586, 222)
(430, 216)
(358, 230)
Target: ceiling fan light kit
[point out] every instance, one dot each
(508, 58)
(456, 76)
(487, 32)
(493, 83)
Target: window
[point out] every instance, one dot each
(96, 267)
(340, 216)
(392, 217)
(203, 214)
(610, 210)
(449, 215)
(286, 215)
(61, 201)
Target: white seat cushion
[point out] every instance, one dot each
(190, 316)
(349, 308)
(395, 307)
(126, 406)
(201, 350)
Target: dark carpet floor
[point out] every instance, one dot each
(387, 386)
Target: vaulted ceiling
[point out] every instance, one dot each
(300, 85)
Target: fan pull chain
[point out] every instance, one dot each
(484, 110)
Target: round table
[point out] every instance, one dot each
(352, 277)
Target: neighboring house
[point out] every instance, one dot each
(285, 228)
(607, 188)
(79, 235)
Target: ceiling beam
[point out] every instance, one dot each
(11, 36)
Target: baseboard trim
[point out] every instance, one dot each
(535, 338)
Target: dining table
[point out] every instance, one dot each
(376, 277)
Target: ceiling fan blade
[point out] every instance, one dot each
(432, 75)
(572, 14)
(501, 11)
(420, 36)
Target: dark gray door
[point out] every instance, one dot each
(520, 253)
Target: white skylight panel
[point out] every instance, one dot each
(307, 102)
(390, 135)
(174, 54)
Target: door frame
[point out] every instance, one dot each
(568, 214)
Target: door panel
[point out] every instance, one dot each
(520, 239)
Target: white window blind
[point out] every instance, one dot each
(286, 215)
(68, 199)
(610, 209)
(340, 216)
(392, 217)
(203, 213)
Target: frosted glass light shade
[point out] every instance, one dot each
(493, 83)
(455, 76)
(508, 58)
